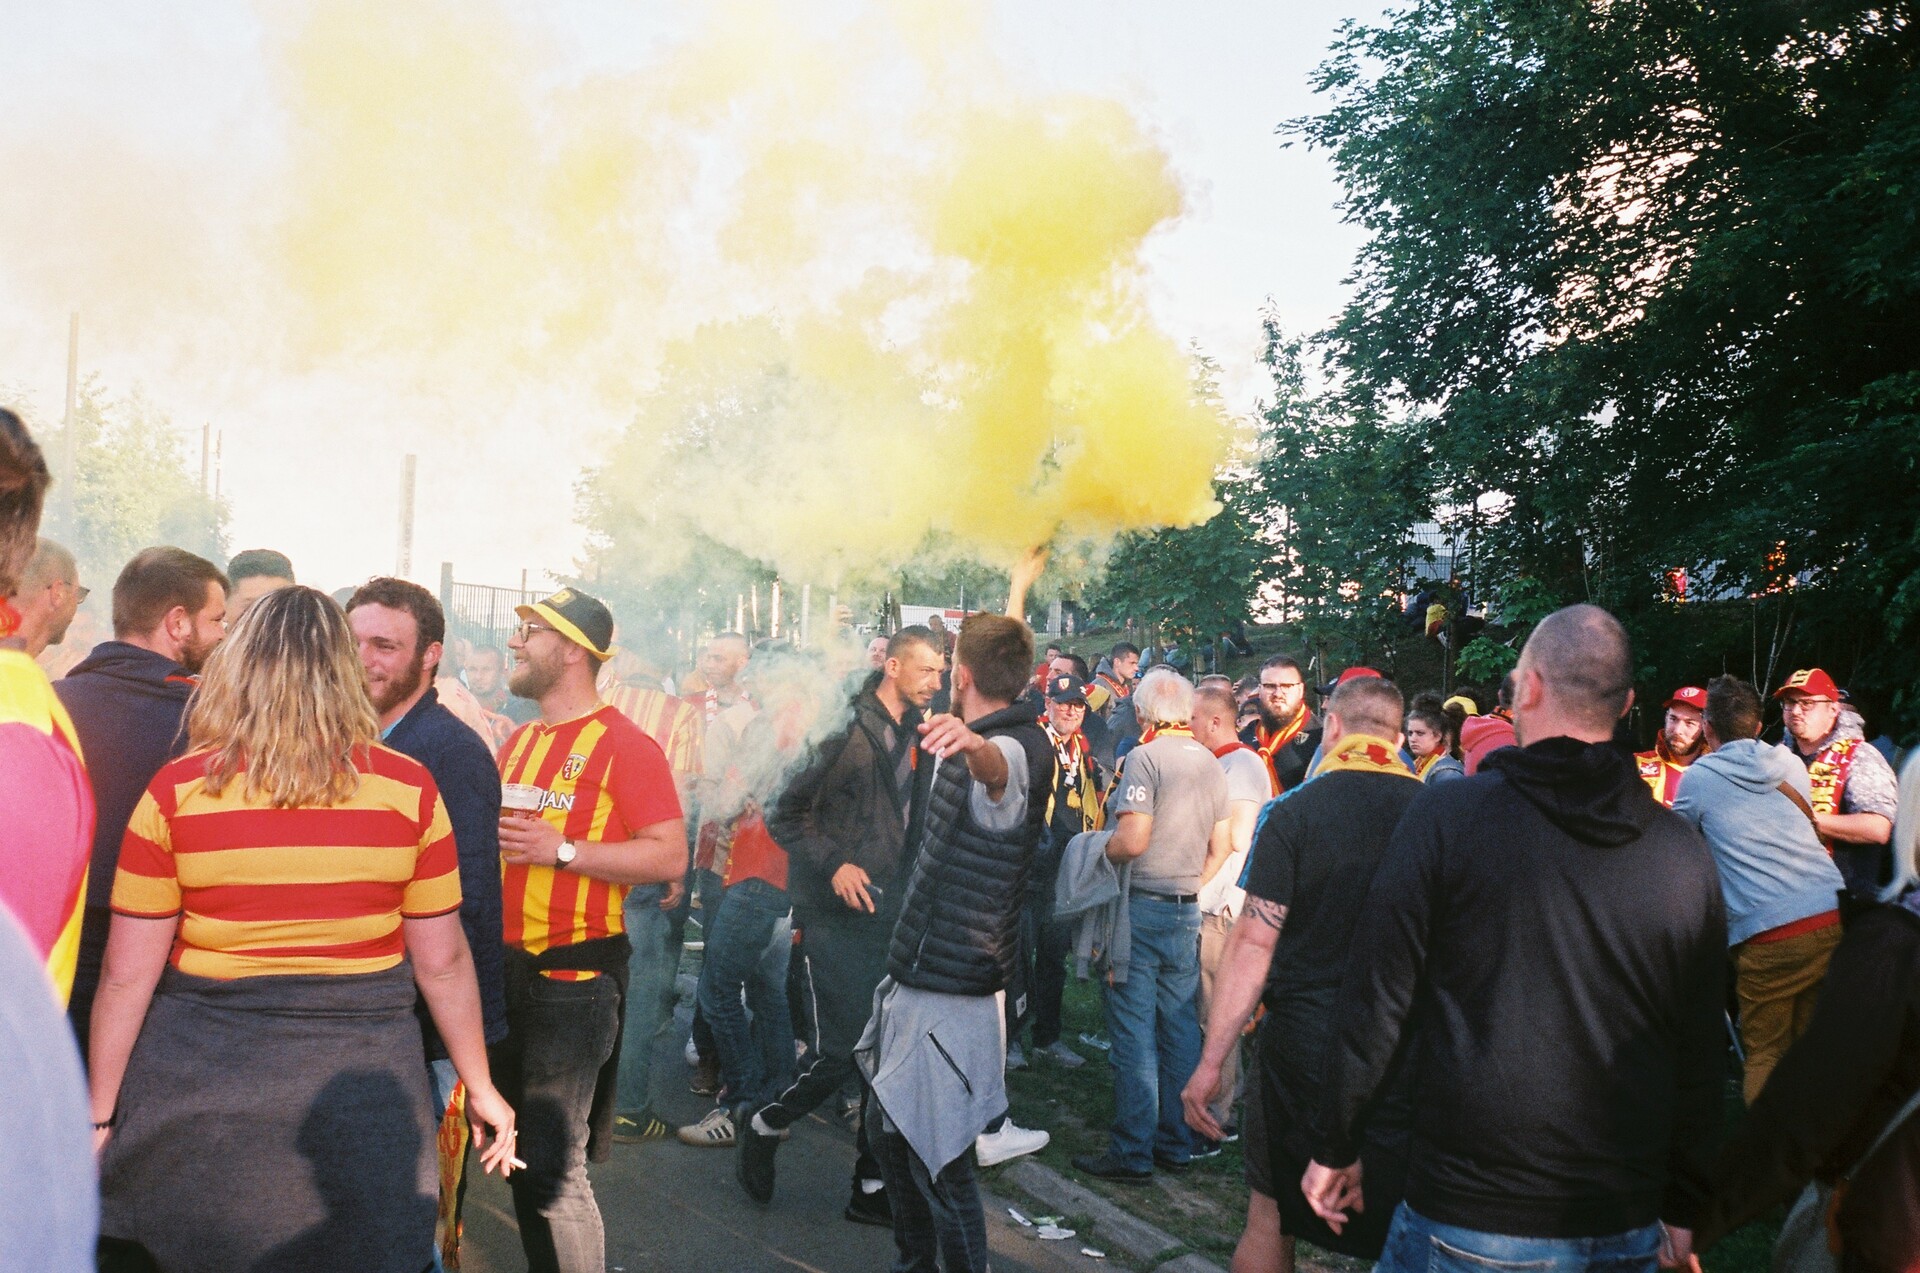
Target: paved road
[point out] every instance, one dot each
(671, 1208)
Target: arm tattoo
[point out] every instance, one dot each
(1272, 914)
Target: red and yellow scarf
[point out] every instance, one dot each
(1164, 731)
(1828, 771)
(1366, 754)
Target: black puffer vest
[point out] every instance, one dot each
(959, 928)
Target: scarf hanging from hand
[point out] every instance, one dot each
(1364, 753)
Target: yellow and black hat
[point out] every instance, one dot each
(581, 619)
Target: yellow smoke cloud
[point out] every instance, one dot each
(820, 285)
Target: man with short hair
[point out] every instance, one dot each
(400, 630)
(843, 822)
(676, 725)
(486, 676)
(933, 1050)
(1170, 815)
(1306, 887)
(1286, 735)
(1752, 802)
(607, 820)
(1113, 678)
(1079, 785)
(128, 701)
(1249, 787)
(1560, 938)
(1681, 742)
(48, 595)
(1855, 793)
(254, 573)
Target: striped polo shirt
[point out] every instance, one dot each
(601, 779)
(46, 808)
(264, 891)
(674, 723)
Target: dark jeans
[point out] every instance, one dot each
(559, 1035)
(1416, 1244)
(1052, 944)
(745, 969)
(937, 1219)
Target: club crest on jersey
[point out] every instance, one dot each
(575, 766)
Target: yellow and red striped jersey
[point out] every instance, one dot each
(46, 806)
(264, 891)
(601, 779)
(674, 723)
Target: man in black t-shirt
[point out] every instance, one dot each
(1307, 878)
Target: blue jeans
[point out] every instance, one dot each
(748, 945)
(1155, 1028)
(650, 994)
(1416, 1244)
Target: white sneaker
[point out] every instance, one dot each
(1016, 1058)
(715, 1131)
(1060, 1054)
(690, 1052)
(1009, 1142)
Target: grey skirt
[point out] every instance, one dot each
(276, 1123)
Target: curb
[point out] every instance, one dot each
(1140, 1240)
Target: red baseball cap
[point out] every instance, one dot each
(1812, 682)
(1688, 696)
(1351, 674)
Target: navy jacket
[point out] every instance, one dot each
(463, 769)
(128, 706)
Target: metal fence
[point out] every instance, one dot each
(480, 612)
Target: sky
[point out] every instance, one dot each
(137, 137)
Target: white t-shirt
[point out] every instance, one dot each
(1247, 779)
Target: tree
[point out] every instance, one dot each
(1651, 270)
(1194, 581)
(1344, 489)
(132, 488)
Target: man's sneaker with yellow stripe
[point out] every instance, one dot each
(638, 1129)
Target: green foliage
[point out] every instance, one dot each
(1344, 489)
(132, 487)
(1651, 271)
(1195, 581)
(1485, 660)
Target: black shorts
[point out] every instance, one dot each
(1253, 1126)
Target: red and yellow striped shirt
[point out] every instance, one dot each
(46, 807)
(603, 780)
(674, 723)
(265, 891)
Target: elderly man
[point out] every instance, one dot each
(1854, 791)
(49, 594)
(1681, 742)
(1171, 818)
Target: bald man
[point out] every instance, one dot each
(49, 594)
(1562, 938)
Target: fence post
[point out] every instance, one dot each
(446, 588)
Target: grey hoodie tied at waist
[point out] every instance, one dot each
(1091, 887)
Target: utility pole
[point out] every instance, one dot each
(69, 449)
(405, 566)
(206, 449)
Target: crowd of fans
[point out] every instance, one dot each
(335, 906)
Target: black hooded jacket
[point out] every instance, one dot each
(127, 706)
(1561, 938)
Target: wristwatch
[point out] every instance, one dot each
(564, 855)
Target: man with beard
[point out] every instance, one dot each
(400, 630)
(604, 819)
(1681, 742)
(843, 822)
(1855, 794)
(126, 700)
(1286, 735)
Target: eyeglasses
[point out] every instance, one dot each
(1274, 687)
(80, 592)
(1070, 707)
(1803, 704)
(526, 630)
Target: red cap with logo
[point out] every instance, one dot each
(1811, 682)
(1688, 696)
(1351, 674)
